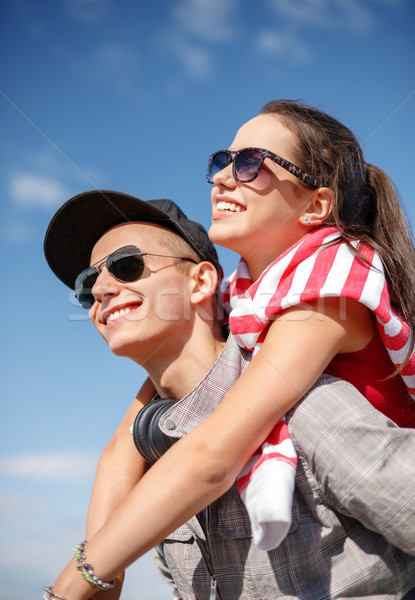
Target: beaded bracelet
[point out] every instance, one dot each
(50, 594)
(87, 571)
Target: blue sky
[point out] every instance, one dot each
(134, 97)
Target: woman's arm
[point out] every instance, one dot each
(204, 464)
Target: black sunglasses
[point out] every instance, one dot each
(247, 162)
(125, 264)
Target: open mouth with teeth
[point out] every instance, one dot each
(117, 314)
(229, 206)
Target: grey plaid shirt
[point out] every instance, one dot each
(353, 530)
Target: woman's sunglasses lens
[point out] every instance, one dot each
(126, 267)
(218, 162)
(247, 165)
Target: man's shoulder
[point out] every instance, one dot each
(199, 404)
(331, 399)
(331, 416)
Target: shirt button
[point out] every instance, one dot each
(170, 424)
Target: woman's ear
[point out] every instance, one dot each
(204, 282)
(319, 207)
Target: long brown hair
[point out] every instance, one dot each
(366, 205)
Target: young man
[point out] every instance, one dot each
(353, 531)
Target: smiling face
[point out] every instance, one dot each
(138, 318)
(263, 218)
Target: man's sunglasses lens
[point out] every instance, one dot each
(83, 286)
(123, 266)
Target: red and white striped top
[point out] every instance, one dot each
(315, 268)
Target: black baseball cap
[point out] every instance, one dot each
(83, 219)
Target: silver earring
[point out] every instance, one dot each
(306, 219)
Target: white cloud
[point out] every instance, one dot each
(61, 466)
(207, 20)
(199, 25)
(37, 191)
(286, 46)
(196, 27)
(351, 15)
(196, 60)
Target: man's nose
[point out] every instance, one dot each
(105, 286)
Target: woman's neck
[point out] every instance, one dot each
(259, 260)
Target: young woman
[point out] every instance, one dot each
(323, 236)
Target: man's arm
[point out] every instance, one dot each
(363, 462)
(119, 469)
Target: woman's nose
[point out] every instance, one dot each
(225, 177)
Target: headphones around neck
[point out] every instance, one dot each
(148, 438)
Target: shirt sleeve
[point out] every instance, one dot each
(362, 462)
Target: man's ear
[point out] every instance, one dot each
(204, 282)
(319, 207)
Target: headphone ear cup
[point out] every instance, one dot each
(148, 438)
(158, 441)
(140, 432)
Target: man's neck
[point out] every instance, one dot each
(177, 371)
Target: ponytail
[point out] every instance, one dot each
(392, 238)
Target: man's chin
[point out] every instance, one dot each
(136, 350)
(122, 350)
